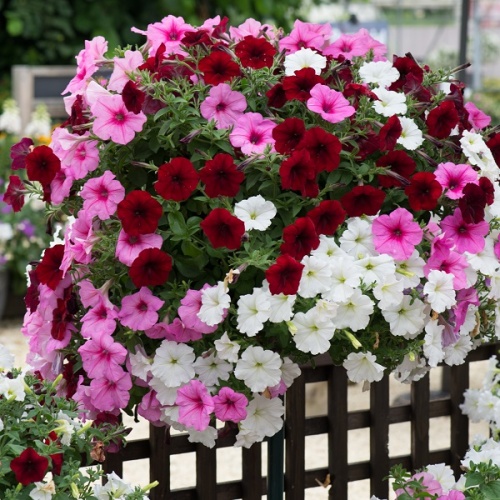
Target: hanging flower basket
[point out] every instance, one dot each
(241, 200)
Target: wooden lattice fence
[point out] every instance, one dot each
(287, 475)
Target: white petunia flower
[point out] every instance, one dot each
(280, 307)
(304, 58)
(363, 366)
(6, 359)
(214, 303)
(411, 137)
(10, 119)
(253, 312)
(410, 370)
(444, 474)
(165, 395)
(411, 270)
(440, 290)
(258, 368)
(43, 491)
(357, 239)
(210, 369)
(390, 103)
(376, 268)
(433, 346)
(406, 319)
(470, 406)
(389, 291)
(381, 73)
(328, 249)
(115, 487)
(355, 312)
(289, 371)
(455, 354)
(12, 388)
(227, 349)
(140, 364)
(65, 428)
(311, 333)
(345, 278)
(484, 261)
(315, 278)
(206, 437)
(255, 212)
(173, 363)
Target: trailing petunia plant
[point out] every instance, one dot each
(48, 450)
(242, 200)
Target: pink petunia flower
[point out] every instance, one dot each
(150, 409)
(109, 394)
(252, 133)
(189, 309)
(99, 319)
(195, 405)
(223, 105)
(102, 357)
(139, 310)
(467, 237)
(230, 405)
(102, 195)
(178, 332)
(355, 45)
(61, 185)
(329, 103)
(251, 27)
(130, 61)
(129, 247)
(114, 121)
(453, 178)
(308, 35)
(477, 118)
(396, 234)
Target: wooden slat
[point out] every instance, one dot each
(252, 472)
(379, 437)
(459, 431)
(206, 472)
(420, 395)
(337, 436)
(295, 440)
(159, 466)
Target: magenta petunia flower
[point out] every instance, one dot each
(139, 310)
(252, 133)
(467, 237)
(230, 405)
(101, 357)
(329, 103)
(223, 105)
(108, 394)
(101, 195)
(189, 309)
(453, 178)
(396, 234)
(114, 121)
(195, 405)
(129, 247)
(100, 319)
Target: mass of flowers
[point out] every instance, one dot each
(44, 443)
(242, 199)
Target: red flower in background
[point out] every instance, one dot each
(284, 275)
(14, 195)
(223, 229)
(255, 53)
(390, 133)
(276, 97)
(424, 191)
(221, 176)
(363, 200)
(133, 97)
(299, 238)
(327, 216)
(42, 165)
(408, 68)
(399, 166)
(18, 153)
(323, 148)
(29, 467)
(442, 119)
(472, 203)
(176, 179)
(218, 67)
(494, 144)
(47, 271)
(139, 213)
(288, 134)
(150, 268)
(299, 86)
(296, 171)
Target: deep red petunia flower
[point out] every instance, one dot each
(61, 318)
(472, 203)
(14, 194)
(284, 275)
(288, 134)
(77, 116)
(19, 151)
(356, 90)
(57, 463)
(406, 66)
(442, 119)
(133, 97)
(198, 37)
(42, 165)
(150, 268)
(299, 86)
(223, 229)
(297, 171)
(255, 52)
(323, 148)
(218, 67)
(488, 189)
(362, 200)
(276, 97)
(390, 133)
(29, 467)
(424, 191)
(494, 145)
(327, 216)
(221, 176)
(139, 213)
(400, 166)
(299, 238)
(47, 271)
(176, 179)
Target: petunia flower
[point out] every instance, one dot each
(454, 177)
(223, 105)
(29, 466)
(304, 58)
(101, 195)
(139, 310)
(258, 368)
(467, 237)
(173, 363)
(331, 105)
(381, 73)
(253, 312)
(255, 212)
(223, 229)
(230, 405)
(195, 405)
(411, 136)
(252, 133)
(440, 291)
(363, 366)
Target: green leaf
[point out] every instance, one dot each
(474, 479)
(177, 224)
(491, 491)
(15, 24)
